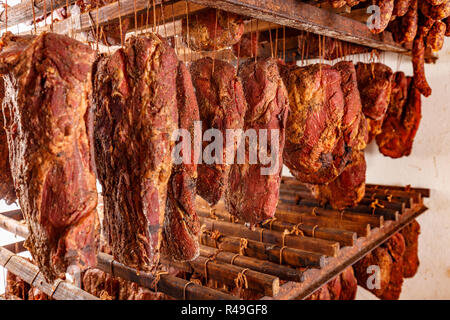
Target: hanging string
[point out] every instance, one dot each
(135, 18)
(187, 31)
(34, 16)
(45, 12)
(257, 40)
(270, 38)
(154, 16)
(148, 13)
(215, 42)
(51, 15)
(120, 24)
(276, 43)
(284, 43)
(97, 29)
(163, 18)
(174, 29)
(6, 15)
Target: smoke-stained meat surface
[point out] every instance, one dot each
(135, 99)
(48, 124)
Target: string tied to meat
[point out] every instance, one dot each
(375, 204)
(241, 279)
(158, 275)
(270, 222)
(185, 287)
(243, 244)
(313, 212)
(314, 230)
(281, 254)
(55, 287)
(296, 230)
(206, 269)
(215, 235)
(389, 197)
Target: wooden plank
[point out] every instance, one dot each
(59, 290)
(23, 11)
(173, 286)
(302, 16)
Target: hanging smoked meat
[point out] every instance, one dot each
(396, 248)
(366, 268)
(222, 106)
(389, 259)
(252, 194)
(435, 38)
(135, 99)
(374, 83)
(247, 46)
(404, 29)
(386, 9)
(212, 29)
(7, 191)
(373, 128)
(348, 188)
(48, 84)
(313, 127)
(112, 34)
(435, 12)
(181, 225)
(335, 288)
(311, 45)
(411, 258)
(402, 119)
(349, 284)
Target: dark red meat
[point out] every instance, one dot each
(348, 188)
(181, 225)
(135, 99)
(402, 119)
(212, 29)
(7, 191)
(48, 84)
(374, 83)
(411, 258)
(313, 127)
(253, 194)
(222, 106)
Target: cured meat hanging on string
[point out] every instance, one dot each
(50, 139)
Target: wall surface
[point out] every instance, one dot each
(428, 166)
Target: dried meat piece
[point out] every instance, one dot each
(181, 224)
(396, 248)
(338, 3)
(253, 188)
(366, 270)
(247, 46)
(418, 60)
(401, 7)
(313, 127)
(437, 12)
(335, 288)
(411, 258)
(404, 29)
(212, 29)
(386, 9)
(50, 142)
(402, 120)
(435, 38)
(447, 26)
(222, 106)
(349, 284)
(320, 294)
(348, 188)
(373, 128)
(7, 191)
(374, 83)
(135, 99)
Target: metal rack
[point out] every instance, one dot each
(320, 243)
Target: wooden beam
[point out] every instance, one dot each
(302, 16)
(23, 11)
(59, 290)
